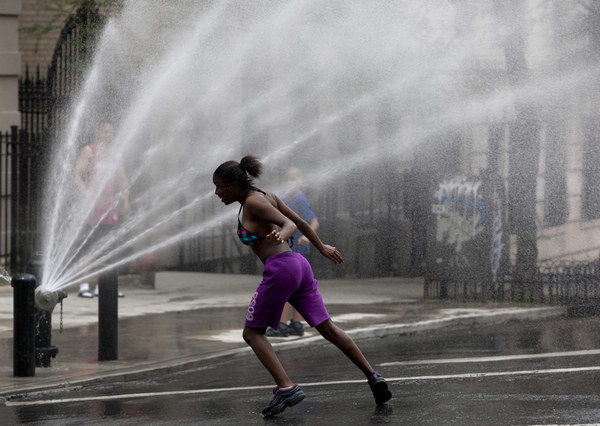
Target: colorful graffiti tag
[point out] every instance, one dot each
(461, 211)
(466, 242)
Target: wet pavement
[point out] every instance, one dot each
(533, 372)
(190, 319)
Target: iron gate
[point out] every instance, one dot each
(43, 103)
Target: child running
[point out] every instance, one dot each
(266, 224)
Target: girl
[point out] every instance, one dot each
(266, 224)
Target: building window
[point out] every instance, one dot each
(590, 169)
(555, 176)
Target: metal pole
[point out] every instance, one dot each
(24, 325)
(108, 303)
(15, 200)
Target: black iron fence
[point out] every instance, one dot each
(569, 282)
(467, 252)
(43, 99)
(7, 139)
(556, 282)
(20, 194)
(367, 226)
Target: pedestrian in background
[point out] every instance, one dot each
(295, 199)
(101, 180)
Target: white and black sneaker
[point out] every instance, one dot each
(283, 399)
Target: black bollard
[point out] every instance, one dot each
(108, 317)
(24, 325)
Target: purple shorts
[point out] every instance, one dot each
(287, 277)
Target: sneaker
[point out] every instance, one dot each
(283, 399)
(295, 328)
(380, 390)
(282, 331)
(84, 291)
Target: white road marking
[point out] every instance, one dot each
(355, 316)
(492, 358)
(235, 336)
(329, 383)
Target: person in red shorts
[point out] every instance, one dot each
(100, 179)
(266, 224)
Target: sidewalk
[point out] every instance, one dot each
(190, 317)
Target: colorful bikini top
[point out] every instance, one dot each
(249, 238)
(246, 237)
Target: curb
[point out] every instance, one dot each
(511, 314)
(380, 331)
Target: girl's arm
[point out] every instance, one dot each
(81, 168)
(326, 250)
(260, 209)
(124, 188)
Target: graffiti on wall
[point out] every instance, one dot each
(468, 235)
(460, 211)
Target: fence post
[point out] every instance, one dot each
(14, 202)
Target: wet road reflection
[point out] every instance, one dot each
(540, 373)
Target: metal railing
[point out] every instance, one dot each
(566, 282)
(20, 193)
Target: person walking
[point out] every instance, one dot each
(266, 224)
(295, 199)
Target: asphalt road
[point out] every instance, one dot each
(517, 373)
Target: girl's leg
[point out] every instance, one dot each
(339, 338)
(255, 337)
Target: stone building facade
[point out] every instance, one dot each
(567, 198)
(10, 63)
(37, 51)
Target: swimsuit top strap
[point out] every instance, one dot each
(254, 188)
(250, 188)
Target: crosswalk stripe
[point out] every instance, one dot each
(499, 358)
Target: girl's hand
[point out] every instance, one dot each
(274, 237)
(332, 254)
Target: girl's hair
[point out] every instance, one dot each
(243, 173)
